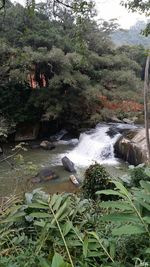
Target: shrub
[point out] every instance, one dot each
(137, 174)
(96, 178)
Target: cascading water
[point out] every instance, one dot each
(95, 146)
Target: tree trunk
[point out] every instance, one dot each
(146, 87)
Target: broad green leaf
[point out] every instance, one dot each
(53, 199)
(44, 263)
(40, 215)
(116, 205)
(145, 185)
(147, 251)
(38, 206)
(120, 217)
(85, 247)
(144, 204)
(122, 189)
(59, 262)
(57, 203)
(67, 227)
(128, 230)
(112, 250)
(60, 212)
(146, 219)
(147, 172)
(15, 218)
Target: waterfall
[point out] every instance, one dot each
(95, 146)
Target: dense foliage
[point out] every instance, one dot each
(64, 230)
(75, 56)
(96, 178)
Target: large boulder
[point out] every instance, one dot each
(47, 145)
(68, 164)
(132, 147)
(44, 175)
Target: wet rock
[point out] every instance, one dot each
(47, 145)
(68, 164)
(115, 119)
(36, 146)
(58, 136)
(132, 147)
(74, 180)
(125, 120)
(112, 131)
(44, 175)
(71, 142)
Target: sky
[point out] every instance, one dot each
(108, 9)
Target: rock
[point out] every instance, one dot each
(115, 119)
(74, 180)
(125, 120)
(132, 147)
(71, 142)
(112, 131)
(47, 145)
(58, 136)
(44, 175)
(68, 164)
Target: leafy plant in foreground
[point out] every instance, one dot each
(130, 220)
(52, 225)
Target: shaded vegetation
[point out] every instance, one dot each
(72, 64)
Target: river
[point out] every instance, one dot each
(95, 145)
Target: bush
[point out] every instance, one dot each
(96, 178)
(137, 174)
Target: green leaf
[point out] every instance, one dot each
(112, 250)
(147, 251)
(147, 172)
(60, 212)
(57, 202)
(145, 185)
(128, 230)
(121, 205)
(67, 227)
(120, 217)
(85, 247)
(43, 263)
(147, 219)
(122, 189)
(40, 215)
(15, 218)
(57, 260)
(38, 206)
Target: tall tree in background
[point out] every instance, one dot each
(143, 7)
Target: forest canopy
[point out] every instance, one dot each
(65, 67)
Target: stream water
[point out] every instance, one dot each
(95, 145)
